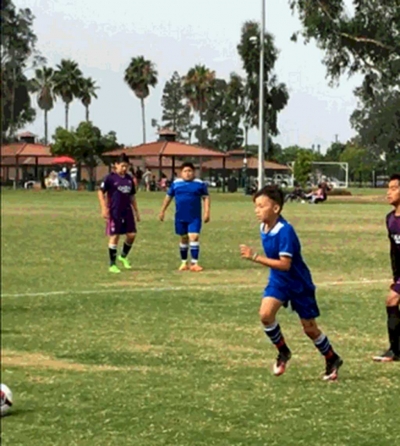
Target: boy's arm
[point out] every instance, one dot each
(166, 203)
(135, 207)
(283, 264)
(207, 205)
(103, 203)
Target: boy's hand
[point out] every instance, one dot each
(138, 217)
(105, 213)
(161, 215)
(246, 252)
(206, 218)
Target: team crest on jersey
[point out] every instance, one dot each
(396, 238)
(124, 189)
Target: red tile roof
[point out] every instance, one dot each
(167, 148)
(237, 163)
(10, 161)
(25, 149)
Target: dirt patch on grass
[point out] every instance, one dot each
(39, 361)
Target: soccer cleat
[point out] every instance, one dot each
(196, 268)
(125, 262)
(184, 267)
(388, 356)
(281, 363)
(332, 368)
(114, 269)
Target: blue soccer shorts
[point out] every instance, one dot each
(303, 303)
(184, 227)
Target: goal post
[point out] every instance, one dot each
(334, 173)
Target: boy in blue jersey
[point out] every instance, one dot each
(290, 281)
(189, 192)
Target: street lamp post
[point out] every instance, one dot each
(261, 120)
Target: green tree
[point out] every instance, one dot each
(18, 54)
(87, 91)
(140, 75)
(67, 83)
(303, 166)
(361, 161)
(366, 42)
(43, 85)
(86, 145)
(223, 115)
(275, 94)
(176, 112)
(198, 86)
(334, 151)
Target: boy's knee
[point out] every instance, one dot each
(130, 238)
(194, 237)
(184, 239)
(310, 328)
(393, 299)
(266, 317)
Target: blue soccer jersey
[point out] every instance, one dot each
(282, 240)
(188, 196)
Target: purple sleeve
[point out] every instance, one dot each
(133, 189)
(105, 185)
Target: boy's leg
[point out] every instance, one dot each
(112, 252)
(184, 251)
(129, 228)
(194, 229)
(181, 229)
(268, 310)
(321, 342)
(393, 326)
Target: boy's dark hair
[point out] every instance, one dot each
(395, 176)
(273, 192)
(123, 158)
(188, 164)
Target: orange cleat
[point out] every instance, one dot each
(196, 268)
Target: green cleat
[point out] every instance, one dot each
(114, 269)
(125, 262)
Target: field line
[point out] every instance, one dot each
(144, 289)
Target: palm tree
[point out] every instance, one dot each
(68, 78)
(140, 75)
(43, 85)
(87, 91)
(198, 84)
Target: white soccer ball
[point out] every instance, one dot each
(6, 398)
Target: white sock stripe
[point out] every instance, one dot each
(271, 327)
(321, 339)
(128, 244)
(112, 246)
(194, 244)
(182, 246)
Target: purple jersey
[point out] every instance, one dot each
(119, 193)
(393, 227)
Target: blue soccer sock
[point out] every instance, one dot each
(184, 249)
(194, 251)
(324, 346)
(274, 333)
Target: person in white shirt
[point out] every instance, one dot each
(74, 177)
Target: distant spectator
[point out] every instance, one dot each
(74, 177)
(147, 179)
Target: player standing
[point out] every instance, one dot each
(290, 281)
(119, 210)
(188, 192)
(393, 299)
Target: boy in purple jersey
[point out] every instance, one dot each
(119, 210)
(393, 299)
(289, 281)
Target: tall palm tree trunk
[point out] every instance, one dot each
(87, 113)
(66, 115)
(143, 120)
(45, 128)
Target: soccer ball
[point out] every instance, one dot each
(6, 399)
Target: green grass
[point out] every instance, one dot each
(156, 357)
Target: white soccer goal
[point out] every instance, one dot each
(334, 173)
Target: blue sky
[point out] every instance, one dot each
(177, 34)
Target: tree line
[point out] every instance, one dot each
(218, 113)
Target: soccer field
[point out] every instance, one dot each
(157, 357)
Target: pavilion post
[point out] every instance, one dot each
(173, 169)
(16, 179)
(159, 167)
(223, 173)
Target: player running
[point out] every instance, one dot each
(188, 192)
(393, 299)
(290, 281)
(119, 210)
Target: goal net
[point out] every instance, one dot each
(334, 173)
